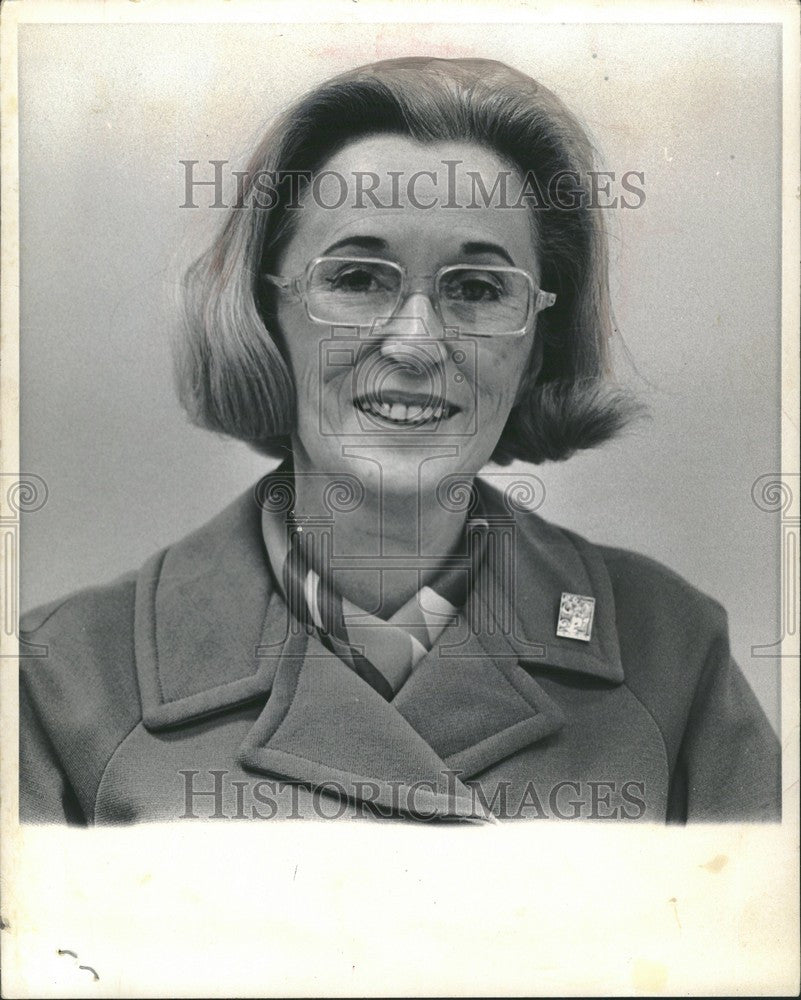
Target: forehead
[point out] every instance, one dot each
(418, 198)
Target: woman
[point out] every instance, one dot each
(412, 284)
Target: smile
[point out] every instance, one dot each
(401, 409)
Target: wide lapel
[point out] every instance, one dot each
(469, 698)
(205, 611)
(548, 562)
(475, 699)
(325, 727)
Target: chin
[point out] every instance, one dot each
(413, 471)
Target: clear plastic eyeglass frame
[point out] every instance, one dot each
(297, 287)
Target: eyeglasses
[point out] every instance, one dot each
(480, 300)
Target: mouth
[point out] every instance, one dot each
(405, 409)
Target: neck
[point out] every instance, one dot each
(400, 538)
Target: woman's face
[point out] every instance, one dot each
(406, 404)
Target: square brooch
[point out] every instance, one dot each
(576, 613)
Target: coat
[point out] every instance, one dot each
(184, 691)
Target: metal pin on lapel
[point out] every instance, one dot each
(576, 613)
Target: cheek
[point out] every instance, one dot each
(500, 370)
(299, 345)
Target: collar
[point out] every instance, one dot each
(390, 647)
(212, 632)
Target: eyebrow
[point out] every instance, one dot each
(374, 243)
(479, 247)
(363, 242)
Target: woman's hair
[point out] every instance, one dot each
(231, 374)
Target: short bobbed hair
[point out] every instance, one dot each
(231, 374)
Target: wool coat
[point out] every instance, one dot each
(186, 691)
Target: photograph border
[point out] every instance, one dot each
(708, 909)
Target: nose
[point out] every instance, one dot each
(414, 319)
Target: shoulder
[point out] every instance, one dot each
(648, 595)
(639, 582)
(87, 615)
(659, 613)
(81, 647)
(99, 615)
(80, 693)
(673, 639)
(643, 583)
(666, 627)
(671, 635)
(77, 661)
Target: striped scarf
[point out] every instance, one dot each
(382, 652)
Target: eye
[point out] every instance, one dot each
(357, 279)
(472, 286)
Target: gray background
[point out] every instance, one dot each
(107, 112)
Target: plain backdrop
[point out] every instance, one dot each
(108, 111)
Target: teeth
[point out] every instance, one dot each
(401, 413)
